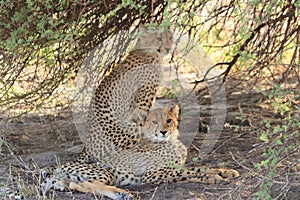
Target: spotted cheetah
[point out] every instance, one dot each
(158, 158)
(123, 99)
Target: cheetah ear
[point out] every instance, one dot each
(175, 110)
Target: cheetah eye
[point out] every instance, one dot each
(169, 121)
(155, 122)
(159, 39)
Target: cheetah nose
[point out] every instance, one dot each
(167, 49)
(163, 133)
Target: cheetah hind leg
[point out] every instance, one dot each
(99, 188)
(203, 175)
(213, 175)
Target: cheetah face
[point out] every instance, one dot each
(155, 39)
(161, 124)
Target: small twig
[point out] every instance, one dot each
(152, 196)
(240, 109)
(19, 159)
(197, 149)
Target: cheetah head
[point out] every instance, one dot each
(159, 40)
(161, 124)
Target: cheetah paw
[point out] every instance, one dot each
(228, 173)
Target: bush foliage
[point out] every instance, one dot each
(43, 43)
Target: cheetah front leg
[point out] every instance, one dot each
(203, 175)
(141, 102)
(99, 188)
(89, 178)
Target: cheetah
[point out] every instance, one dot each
(124, 97)
(158, 158)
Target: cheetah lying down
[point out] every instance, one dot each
(158, 158)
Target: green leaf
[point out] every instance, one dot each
(278, 142)
(194, 159)
(263, 137)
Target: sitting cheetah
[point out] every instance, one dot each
(123, 99)
(158, 158)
